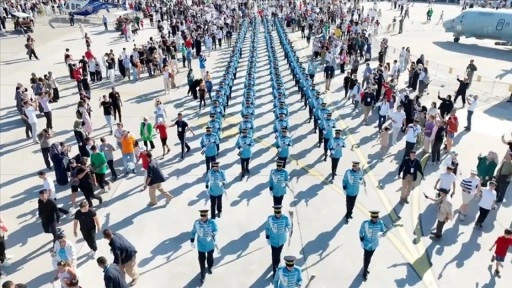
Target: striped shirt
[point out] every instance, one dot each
(469, 184)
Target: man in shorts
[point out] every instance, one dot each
(502, 244)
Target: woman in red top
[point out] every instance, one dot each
(162, 130)
(143, 158)
(502, 244)
(452, 127)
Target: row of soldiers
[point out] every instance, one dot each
(205, 229)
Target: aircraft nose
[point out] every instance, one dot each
(447, 24)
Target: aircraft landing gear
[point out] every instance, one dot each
(456, 39)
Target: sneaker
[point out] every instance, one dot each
(92, 254)
(462, 217)
(133, 282)
(493, 258)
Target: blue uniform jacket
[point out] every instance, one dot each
(248, 110)
(276, 229)
(215, 181)
(281, 110)
(336, 146)
(352, 181)
(209, 144)
(283, 145)
(245, 144)
(278, 124)
(246, 124)
(278, 179)
(205, 232)
(369, 233)
(288, 279)
(320, 113)
(219, 111)
(216, 127)
(328, 125)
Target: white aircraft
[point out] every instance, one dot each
(481, 23)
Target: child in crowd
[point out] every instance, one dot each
(502, 244)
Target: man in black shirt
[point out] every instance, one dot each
(111, 66)
(229, 35)
(89, 225)
(107, 111)
(48, 213)
(124, 254)
(409, 169)
(87, 182)
(154, 180)
(182, 130)
(117, 103)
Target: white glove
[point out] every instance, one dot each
(192, 245)
(268, 242)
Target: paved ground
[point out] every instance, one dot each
(324, 246)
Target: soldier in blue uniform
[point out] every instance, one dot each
(216, 127)
(282, 109)
(244, 145)
(327, 126)
(320, 114)
(369, 237)
(205, 230)
(283, 144)
(313, 103)
(218, 110)
(279, 124)
(246, 124)
(288, 276)
(248, 109)
(277, 183)
(209, 143)
(335, 147)
(352, 181)
(277, 228)
(215, 182)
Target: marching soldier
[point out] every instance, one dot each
(215, 182)
(283, 144)
(246, 124)
(205, 229)
(218, 110)
(277, 183)
(351, 183)
(369, 237)
(244, 145)
(313, 102)
(248, 109)
(335, 146)
(320, 114)
(209, 144)
(282, 109)
(288, 276)
(277, 228)
(327, 126)
(216, 126)
(279, 124)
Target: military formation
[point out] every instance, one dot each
(278, 226)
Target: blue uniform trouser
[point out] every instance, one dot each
(205, 257)
(351, 202)
(209, 160)
(284, 159)
(278, 200)
(216, 204)
(276, 257)
(367, 259)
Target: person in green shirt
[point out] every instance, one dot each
(137, 21)
(486, 167)
(147, 133)
(99, 166)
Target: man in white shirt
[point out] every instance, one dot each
(30, 111)
(410, 137)
(395, 70)
(487, 203)
(446, 181)
(384, 110)
(473, 102)
(398, 120)
(469, 186)
(49, 186)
